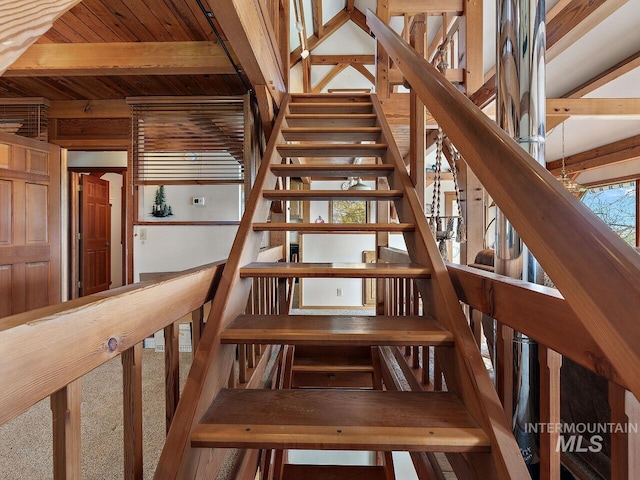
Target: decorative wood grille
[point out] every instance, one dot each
(27, 117)
(188, 140)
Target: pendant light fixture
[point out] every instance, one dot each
(570, 185)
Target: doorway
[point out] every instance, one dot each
(97, 229)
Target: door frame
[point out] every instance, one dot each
(74, 222)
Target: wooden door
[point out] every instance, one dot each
(30, 274)
(95, 235)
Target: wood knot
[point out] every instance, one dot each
(112, 344)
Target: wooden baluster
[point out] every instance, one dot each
(550, 363)
(197, 326)
(242, 363)
(625, 414)
(504, 367)
(232, 376)
(65, 409)
(171, 370)
(132, 405)
(475, 322)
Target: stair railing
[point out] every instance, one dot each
(47, 351)
(597, 272)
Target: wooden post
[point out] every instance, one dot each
(132, 408)
(417, 115)
(171, 370)
(197, 325)
(65, 409)
(504, 367)
(382, 60)
(382, 240)
(550, 363)
(625, 414)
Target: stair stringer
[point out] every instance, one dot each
(213, 360)
(463, 367)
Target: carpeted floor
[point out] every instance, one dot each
(25, 442)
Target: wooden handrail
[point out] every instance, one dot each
(63, 342)
(596, 271)
(47, 348)
(539, 312)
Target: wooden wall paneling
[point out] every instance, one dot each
(6, 290)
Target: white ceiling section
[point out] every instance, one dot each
(617, 37)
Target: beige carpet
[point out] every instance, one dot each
(25, 442)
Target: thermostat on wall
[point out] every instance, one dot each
(198, 201)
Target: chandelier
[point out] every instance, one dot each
(567, 182)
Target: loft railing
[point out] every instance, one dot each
(46, 352)
(598, 274)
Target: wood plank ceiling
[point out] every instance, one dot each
(101, 22)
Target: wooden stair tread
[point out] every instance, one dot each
(333, 227)
(340, 171)
(330, 364)
(339, 419)
(332, 472)
(322, 150)
(334, 270)
(305, 195)
(332, 119)
(342, 134)
(334, 329)
(330, 107)
(333, 97)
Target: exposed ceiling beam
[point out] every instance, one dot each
(132, 58)
(253, 42)
(411, 7)
(592, 106)
(620, 151)
(313, 41)
(576, 16)
(25, 22)
(364, 72)
(336, 59)
(329, 76)
(89, 109)
(360, 20)
(630, 63)
(575, 20)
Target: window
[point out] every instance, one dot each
(616, 206)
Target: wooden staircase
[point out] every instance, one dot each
(466, 421)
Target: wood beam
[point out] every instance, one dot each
(364, 71)
(593, 106)
(620, 151)
(252, 42)
(89, 109)
(330, 76)
(574, 21)
(25, 22)
(318, 24)
(411, 7)
(65, 409)
(382, 60)
(560, 24)
(610, 74)
(360, 20)
(454, 75)
(313, 41)
(336, 59)
(132, 58)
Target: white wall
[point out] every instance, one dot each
(172, 248)
(222, 203)
(176, 248)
